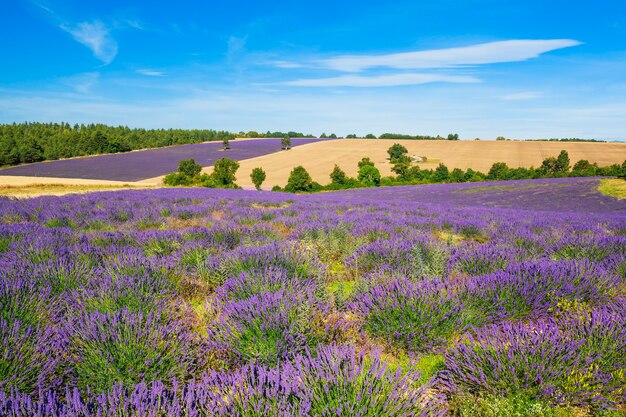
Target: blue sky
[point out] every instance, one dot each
(482, 68)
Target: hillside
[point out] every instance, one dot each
(319, 158)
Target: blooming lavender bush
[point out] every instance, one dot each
(415, 316)
(129, 348)
(267, 327)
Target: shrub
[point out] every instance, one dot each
(266, 328)
(414, 316)
(299, 180)
(129, 348)
(189, 167)
(577, 363)
(258, 176)
(536, 289)
(29, 357)
(337, 381)
(176, 179)
(261, 280)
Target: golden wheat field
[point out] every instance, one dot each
(319, 158)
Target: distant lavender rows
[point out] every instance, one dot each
(136, 166)
(551, 194)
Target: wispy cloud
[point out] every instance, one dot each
(479, 54)
(150, 73)
(381, 81)
(82, 83)
(524, 95)
(97, 37)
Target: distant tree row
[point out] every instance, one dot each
(268, 134)
(407, 173)
(34, 142)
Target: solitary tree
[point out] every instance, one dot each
(224, 171)
(257, 176)
(397, 153)
(299, 180)
(285, 142)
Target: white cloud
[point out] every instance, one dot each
(524, 95)
(484, 53)
(151, 73)
(95, 36)
(285, 64)
(381, 81)
(82, 83)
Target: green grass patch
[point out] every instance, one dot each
(613, 187)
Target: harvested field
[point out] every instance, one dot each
(139, 165)
(319, 158)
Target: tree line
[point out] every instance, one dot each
(34, 142)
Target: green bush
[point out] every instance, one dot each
(369, 175)
(189, 167)
(258, 176)
(176, 179)
(299, 180)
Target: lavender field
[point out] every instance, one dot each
(405, 301)
(139, 165)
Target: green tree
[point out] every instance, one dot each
(402, 171)
(562, 162)
(397, 153)
(332, 136)
(441, 174)
(453, 136)
(226, 142)
(370, 136)
(584, 168)
(323, 136)
(369, 175)
(299, 180)
(258, 176)
(189, 167)
(338, 176)
(500, 138)
(224, 171)
(457, 175)
(365, 161)
(498, 171)
(285, 142)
